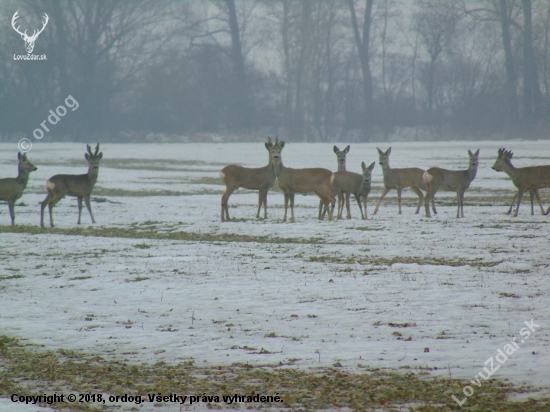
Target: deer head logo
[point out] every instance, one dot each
(29, 40)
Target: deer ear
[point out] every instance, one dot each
(477, 152)
(100, 156)
(86, 156)
(363, 166)
(372, 165)
(346, 150)
(335, 149)
(282, 144)
(379, 151)
(470, 153)
(388, 151)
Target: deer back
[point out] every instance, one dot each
(249, 178)
(305, 180)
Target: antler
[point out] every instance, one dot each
(96, 149)
(15, 17)
(89, 150)
(35, 33)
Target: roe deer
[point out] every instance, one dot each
(400, 179)
(81, 186)
(293, 181)
(457, 181)
(524, 178)
(261, 178)
(349, 183)
(12, 188)
(341, 162)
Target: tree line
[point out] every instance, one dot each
(310, 70)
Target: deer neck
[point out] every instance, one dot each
(509, 169)
(92, 176)
(341, 168)
(472, 171)
(279, 168)
(22, 177)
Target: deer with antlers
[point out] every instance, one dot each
(525, 179)
(291, 181)
(81, 186)
(29, 40)
(261, 179)
(12, 188)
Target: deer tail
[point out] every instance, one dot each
(427, 178)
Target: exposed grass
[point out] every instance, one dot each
(27, 370)
(419, 260)
(150, 233)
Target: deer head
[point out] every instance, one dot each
(93, 159)
(29, 40)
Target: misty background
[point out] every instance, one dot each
(326, 70)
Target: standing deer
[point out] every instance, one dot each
(400, 179)
(341, 162)
(529, 178)
(261, 178)
(81, 186)
(457, 181)
(12, 188)
(291, 181)
(349, 183)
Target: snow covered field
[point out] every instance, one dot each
(160, 278)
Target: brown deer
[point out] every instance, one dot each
(291, 181)
(261, 178)
(348, 183)
(400, 179)
(81, 186)
(457, 181)
(12, 188)
(529, 178)
(341, 162)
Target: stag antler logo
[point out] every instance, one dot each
(29, 40)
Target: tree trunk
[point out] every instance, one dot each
(531, 107)
(363, 49)
(511, 79)
(242, 112)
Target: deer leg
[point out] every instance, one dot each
(462, 203)
(265, 203)
(286, 205)
(11, 207)
(429, 196)
(358, 199)
(384, 193)
(340, 205)
(520, 196)
(225, 208)
(365, 198)
(433, 206)
(348, 215)
(512, 205)
(321, 209)
(42, 206)
(291, 195)
(50, 207)
(420, 195)
(79, 200)
(538, 200)
(399, 190)
(89, 207)
(459, 196)
(261, 200)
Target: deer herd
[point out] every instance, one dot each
(324, 183)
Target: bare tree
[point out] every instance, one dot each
(363, 43)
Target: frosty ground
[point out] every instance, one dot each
(160, 279)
